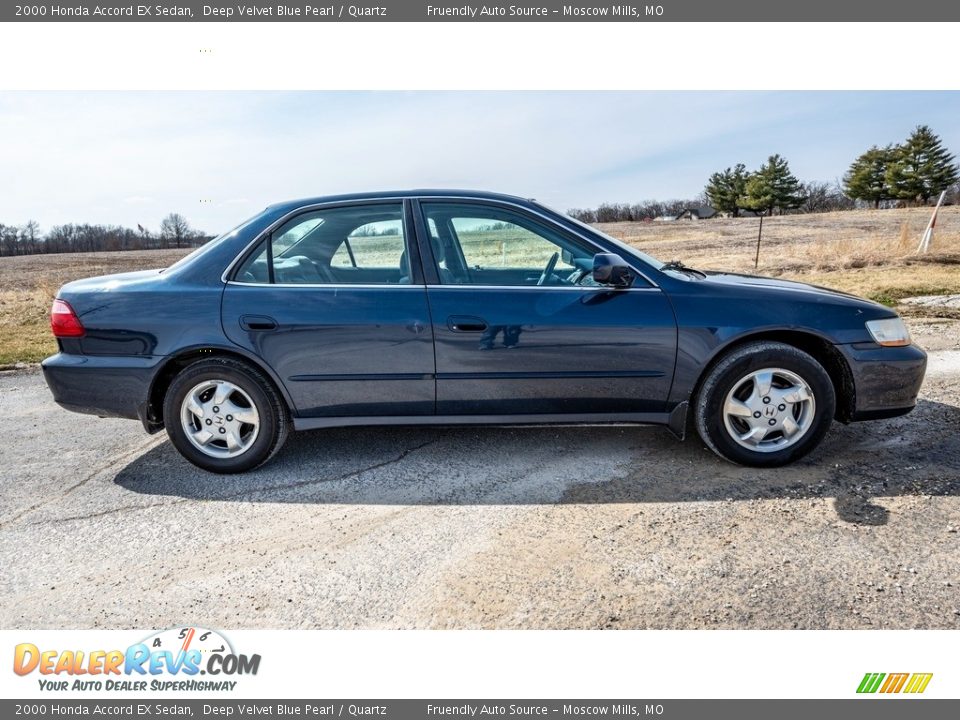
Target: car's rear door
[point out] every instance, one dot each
(329, 301)
(508, 345)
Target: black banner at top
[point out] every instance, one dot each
(453, 11)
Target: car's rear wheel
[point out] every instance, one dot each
(765, 404)
(224, 416)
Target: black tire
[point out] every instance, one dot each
(731, 370)
(274, 422)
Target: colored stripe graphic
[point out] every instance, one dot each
(918, 682)
(870, 682)
(894, 683)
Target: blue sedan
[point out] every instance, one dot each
(452, 307)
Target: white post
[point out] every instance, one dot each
(928, 233)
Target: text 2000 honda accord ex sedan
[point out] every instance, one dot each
(430, 307)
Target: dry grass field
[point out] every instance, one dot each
(869, 253)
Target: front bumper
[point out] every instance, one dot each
(107, 386)
(886, 379)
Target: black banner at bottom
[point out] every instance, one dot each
(868, 708)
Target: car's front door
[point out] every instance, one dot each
(330, 302)
(519, 327)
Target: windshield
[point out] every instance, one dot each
(649, 259)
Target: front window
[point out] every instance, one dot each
(483, 245)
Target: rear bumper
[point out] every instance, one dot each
(886, 379)
(101, 385)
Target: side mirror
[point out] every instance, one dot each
(611, 269)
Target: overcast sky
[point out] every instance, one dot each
(133, 157)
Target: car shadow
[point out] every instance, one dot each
(918, 454)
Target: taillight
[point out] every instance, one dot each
(64, 321)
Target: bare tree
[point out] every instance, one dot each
(8, 240)
(30, 232)
(823, 197)
(175, 227)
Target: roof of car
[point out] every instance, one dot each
(423, 192)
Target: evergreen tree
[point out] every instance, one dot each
(867, 177)
(772, 186)
(921, 167)
(724, 189)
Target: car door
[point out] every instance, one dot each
(513, 339)
(333, 300)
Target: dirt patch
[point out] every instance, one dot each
(935, 301)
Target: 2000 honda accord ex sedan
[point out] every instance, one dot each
(451, 307)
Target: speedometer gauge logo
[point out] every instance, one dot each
(184, 639)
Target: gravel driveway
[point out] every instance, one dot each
(104, 526)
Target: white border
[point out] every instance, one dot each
(477, 56)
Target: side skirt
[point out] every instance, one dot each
(313, 423)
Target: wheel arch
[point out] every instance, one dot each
(817, 346)
(152, 413)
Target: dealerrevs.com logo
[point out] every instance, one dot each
(910, 683)
(169, 660)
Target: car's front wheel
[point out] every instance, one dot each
(765, 404)
(224, 416)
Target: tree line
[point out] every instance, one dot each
(623, 212)
(175, 232)
(910, 173)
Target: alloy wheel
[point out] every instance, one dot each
(219, 418)
(769, 410)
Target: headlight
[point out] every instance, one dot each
(890, 332)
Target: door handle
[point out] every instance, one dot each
(258, 323)
(466, 323)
